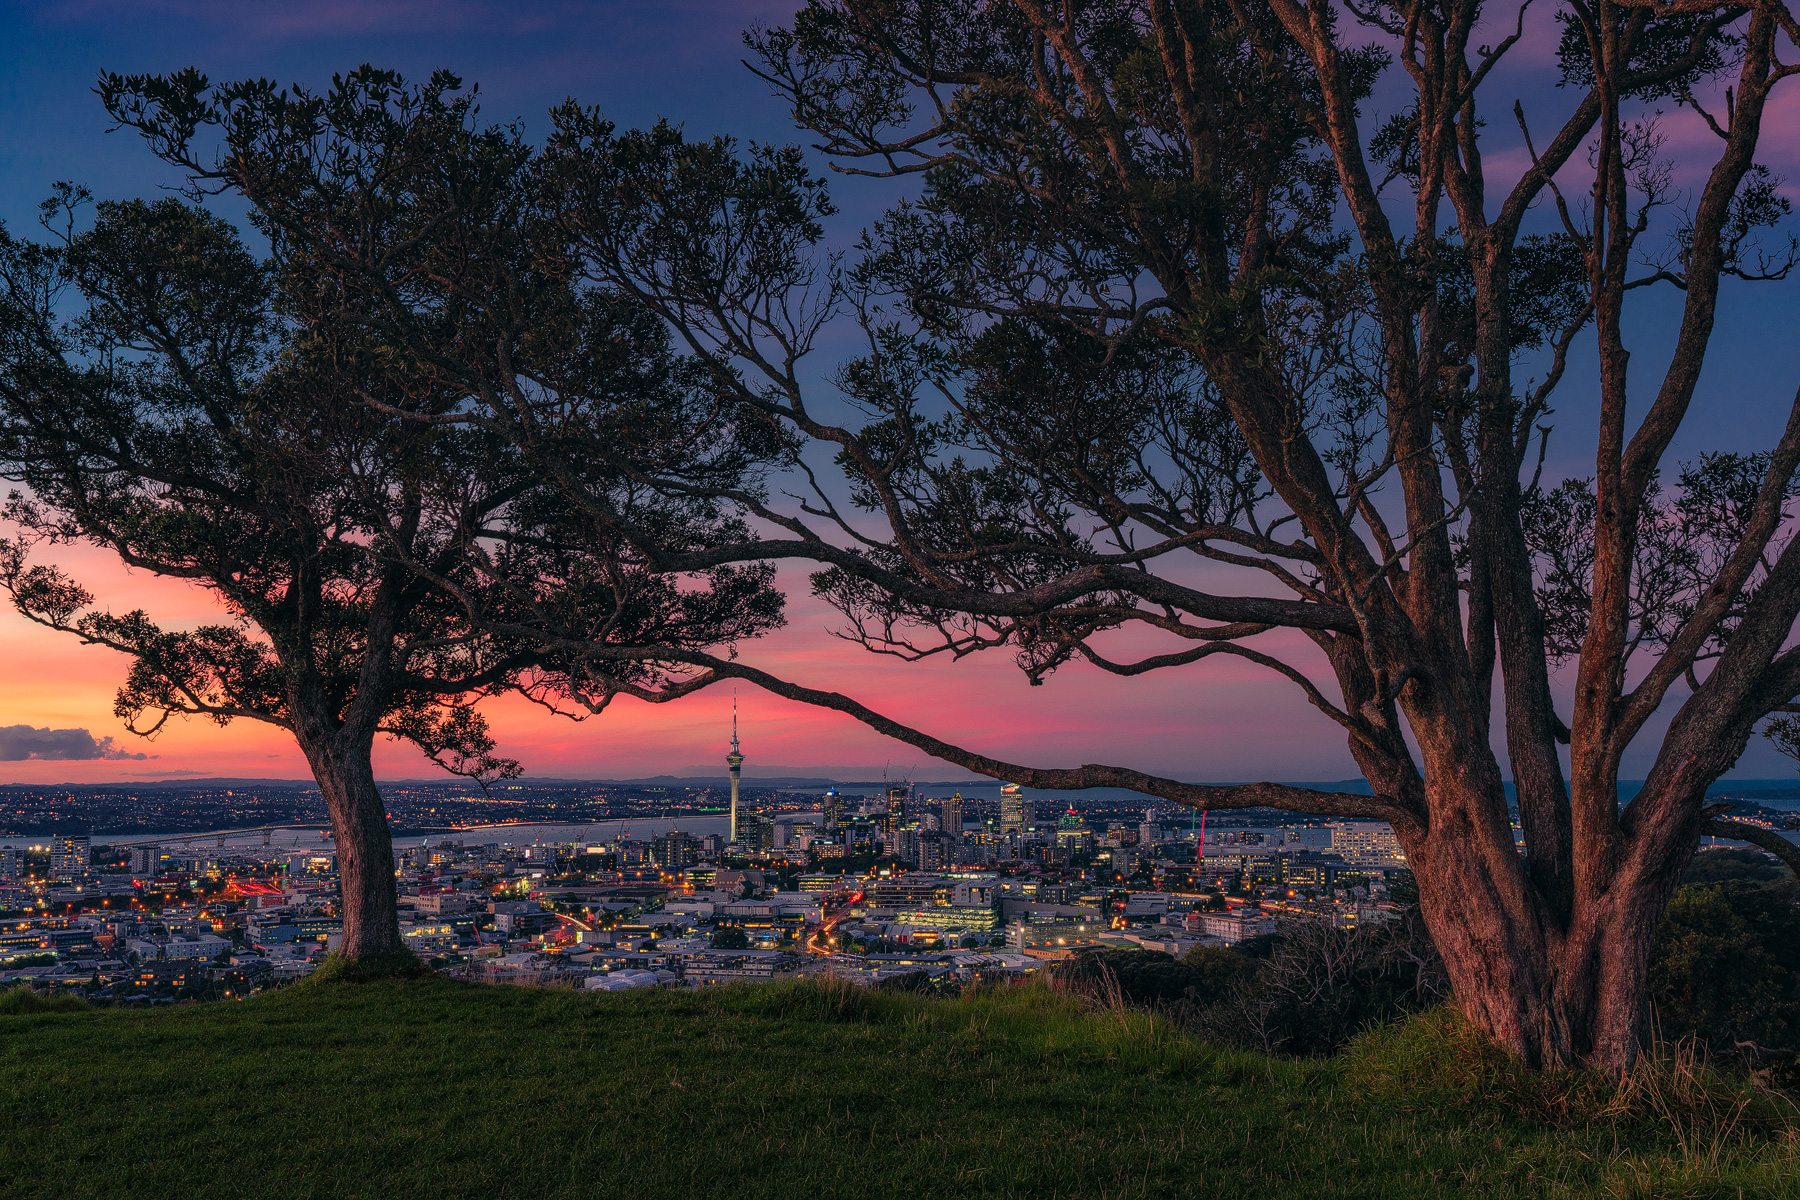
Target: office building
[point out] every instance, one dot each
(68, 856)
(1366, 843)
(1015, 810)
(950, 815)
(676, 851)
(896, 816)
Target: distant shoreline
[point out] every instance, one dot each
(111, 813)
(1778, 787)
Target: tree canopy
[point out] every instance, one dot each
(223, 418)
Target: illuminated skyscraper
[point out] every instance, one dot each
(950, 815)
(833, 808)
(734, 760)
(1015, 810)
(68, 857)
(896, 815)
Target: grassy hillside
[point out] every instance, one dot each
(433, 1089)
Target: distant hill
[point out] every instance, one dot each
(1777, 793)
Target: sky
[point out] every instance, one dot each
(638, 60)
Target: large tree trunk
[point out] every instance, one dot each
(1554, 993)
(365, 854)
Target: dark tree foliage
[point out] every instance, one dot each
(428, 236)
(1721, 865)
(158, 399)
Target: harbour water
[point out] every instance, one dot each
(309, 837)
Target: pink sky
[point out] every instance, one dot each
(1223, 719)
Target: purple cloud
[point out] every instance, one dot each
(25, 743)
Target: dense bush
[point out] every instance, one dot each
(922, 983)
(1145, 978)
(1308, 990)
(1727, 969)
(1319, 987)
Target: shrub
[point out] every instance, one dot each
(1306, 991)
(1142, 978)
(1726, 969)
(1317, 987)
(921, 983)
(1221, 968)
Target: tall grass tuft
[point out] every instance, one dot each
(1707, 1111)
(338, 969)
(817, 998)
(1701, 1117)
(25, 1001)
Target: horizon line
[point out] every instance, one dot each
(791, 776)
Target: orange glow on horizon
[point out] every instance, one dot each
(51, 679)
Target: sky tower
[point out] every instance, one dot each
(734, 760)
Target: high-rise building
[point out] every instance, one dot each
(734, 760)
(676, 851)
(833, 808)
(1015, 809)
(68, 857)
(147, 861)
(1366, 843)
(758, 833)
(12, 864)
(896, 815)
(950, 815)
(937, 851)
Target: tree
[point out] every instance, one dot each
(157, 400)
(423, 231)
(730, 938)
(1177, 339)
(235, 423)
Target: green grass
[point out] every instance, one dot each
(429, 1088)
